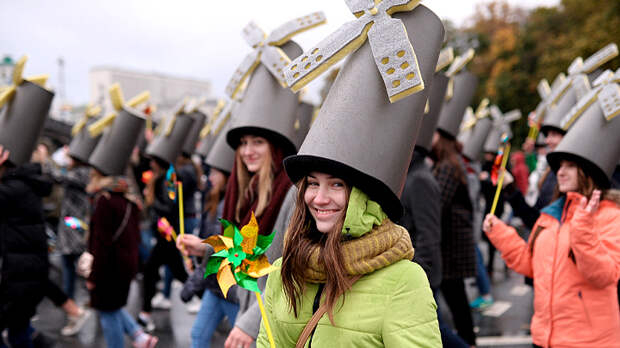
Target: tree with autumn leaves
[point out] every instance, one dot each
(516, 48)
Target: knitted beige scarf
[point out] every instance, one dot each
(382, 246)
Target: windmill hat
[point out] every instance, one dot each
(83, 144)
(593, 140)
(435, 103)
(302, 123)
(112, 153)
(267, 109)
(562, 100)
(460, 92)
(501, 125)
(221, 156)
(24, 106)
(478, 132)
(366, 129)
(189, 146)
(168, 144)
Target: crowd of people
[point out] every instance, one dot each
(378, 202)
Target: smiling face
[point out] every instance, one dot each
(253, 151)
(568, 177)
(326, 198)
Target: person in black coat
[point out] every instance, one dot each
(23, 247)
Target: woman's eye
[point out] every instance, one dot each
(313, 183)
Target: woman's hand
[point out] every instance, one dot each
(591, 206)
(238, 339)
(190, 245)
(488, 223)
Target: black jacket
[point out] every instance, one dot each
(23, 243)
(422, 217)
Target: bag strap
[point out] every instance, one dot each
(311, 325)
(121, 228)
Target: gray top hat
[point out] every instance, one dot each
(478, 133)
(303, 121)
(359, 134)
(221, 156)
(562, 99)
(83, 144)
(189, 146)
(113, 151)
(435, 103)
(501, 125)
(463, 89)
(267, 109)
(593, 140)
(168, 144)
(21, 121)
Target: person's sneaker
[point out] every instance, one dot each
(75, 323)
(193, 306)
(146, 322)
(160, 302)
(481, 302)
(144, 340)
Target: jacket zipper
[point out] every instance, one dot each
(315, 307)
(585, 308)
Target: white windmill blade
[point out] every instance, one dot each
(496, 113)
(244, 70)
(329, 51)
(446, 56)
(459, 63)
(253, 34)
(575, 66)
(357, 7)
(559, 79)
(609, 99)
(512, 116)
(395, 58)
(543, 89)
(286, 31)
(603, 78)
(599, 58)
(275, 60)
(482, 110)
(581, 85)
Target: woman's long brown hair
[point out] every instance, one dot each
(301, 238)
(246, 182)
(447, 150)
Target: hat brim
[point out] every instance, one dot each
(233, 138)
(546, 128)
(299, 166)
(600, 178)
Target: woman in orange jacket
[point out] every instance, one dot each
(573, 254)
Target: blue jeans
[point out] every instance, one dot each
(482, 278)
(114, 324)
(448, 337)
(68, 274)
(18, 337)
(212, 311)
(190, 225)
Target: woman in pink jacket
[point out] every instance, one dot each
(573, 254)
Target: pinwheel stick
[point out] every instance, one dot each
(502, 170)
(181, 215)
(265, 320)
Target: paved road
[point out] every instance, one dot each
(505, 324)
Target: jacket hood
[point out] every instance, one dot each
(612, 195)
(31, 174)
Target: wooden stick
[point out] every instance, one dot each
(501, 179)
(265, 320)
(181, 214)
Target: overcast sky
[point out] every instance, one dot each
(197, 39)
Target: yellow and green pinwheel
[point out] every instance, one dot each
(239, 256)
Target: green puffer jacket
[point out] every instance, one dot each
(391, 307)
